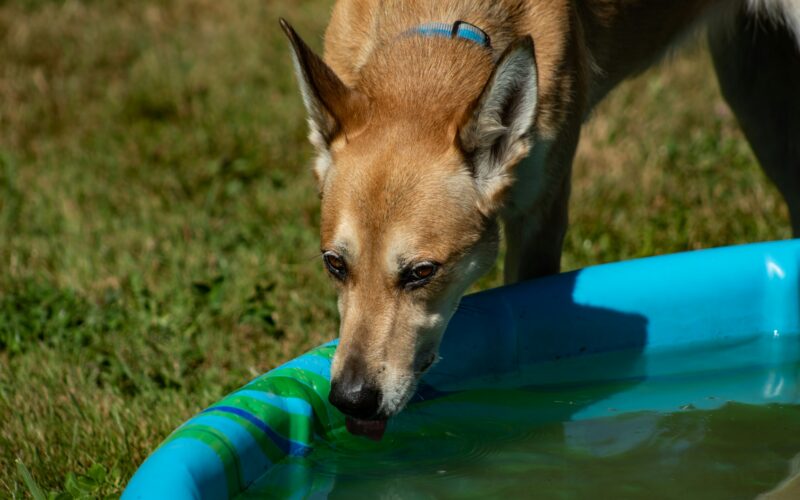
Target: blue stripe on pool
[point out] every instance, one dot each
(287, 446)
(295, 406)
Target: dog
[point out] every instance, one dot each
(432, 120)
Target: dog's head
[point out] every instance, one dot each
(411, 181)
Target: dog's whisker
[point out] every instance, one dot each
(316, 256)
(464, 305)
(476, 311)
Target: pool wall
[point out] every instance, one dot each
(663, 315)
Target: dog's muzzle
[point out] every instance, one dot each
(360, 402)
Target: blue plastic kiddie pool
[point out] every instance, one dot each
(679, 372)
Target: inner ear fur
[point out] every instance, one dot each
(496, 134)
(333, 108)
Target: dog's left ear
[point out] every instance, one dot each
(496, 135)
(332, 106)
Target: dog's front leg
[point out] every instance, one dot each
(536, 215)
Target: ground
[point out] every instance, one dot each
(158, 218)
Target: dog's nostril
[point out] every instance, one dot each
(361, 401)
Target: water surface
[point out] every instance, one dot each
(687, 433)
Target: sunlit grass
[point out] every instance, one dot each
(158, 223)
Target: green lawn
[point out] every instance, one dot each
(158, 220)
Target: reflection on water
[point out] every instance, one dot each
(727, 433)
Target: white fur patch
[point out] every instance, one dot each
(323, 161)
(346, 235)
(397, 390)
(395, 250)
(786, 12)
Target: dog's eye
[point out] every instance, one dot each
(420, 274)
(335, 265)
(423, 271)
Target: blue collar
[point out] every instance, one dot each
(459, 29)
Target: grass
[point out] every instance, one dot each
(158, 222)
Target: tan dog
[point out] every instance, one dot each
(428, 131)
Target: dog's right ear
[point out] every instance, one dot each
(332, 106)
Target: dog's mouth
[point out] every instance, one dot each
(370, 429)
(374, 428)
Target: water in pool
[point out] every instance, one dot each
(729, 433)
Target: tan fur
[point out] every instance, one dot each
(415, 164)
(789, 488)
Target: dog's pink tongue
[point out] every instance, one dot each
(370, 429)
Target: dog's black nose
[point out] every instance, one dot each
(355, 398)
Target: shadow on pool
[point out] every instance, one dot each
(531, 331)
(510, 363)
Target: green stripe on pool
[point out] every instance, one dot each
(221, 446)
